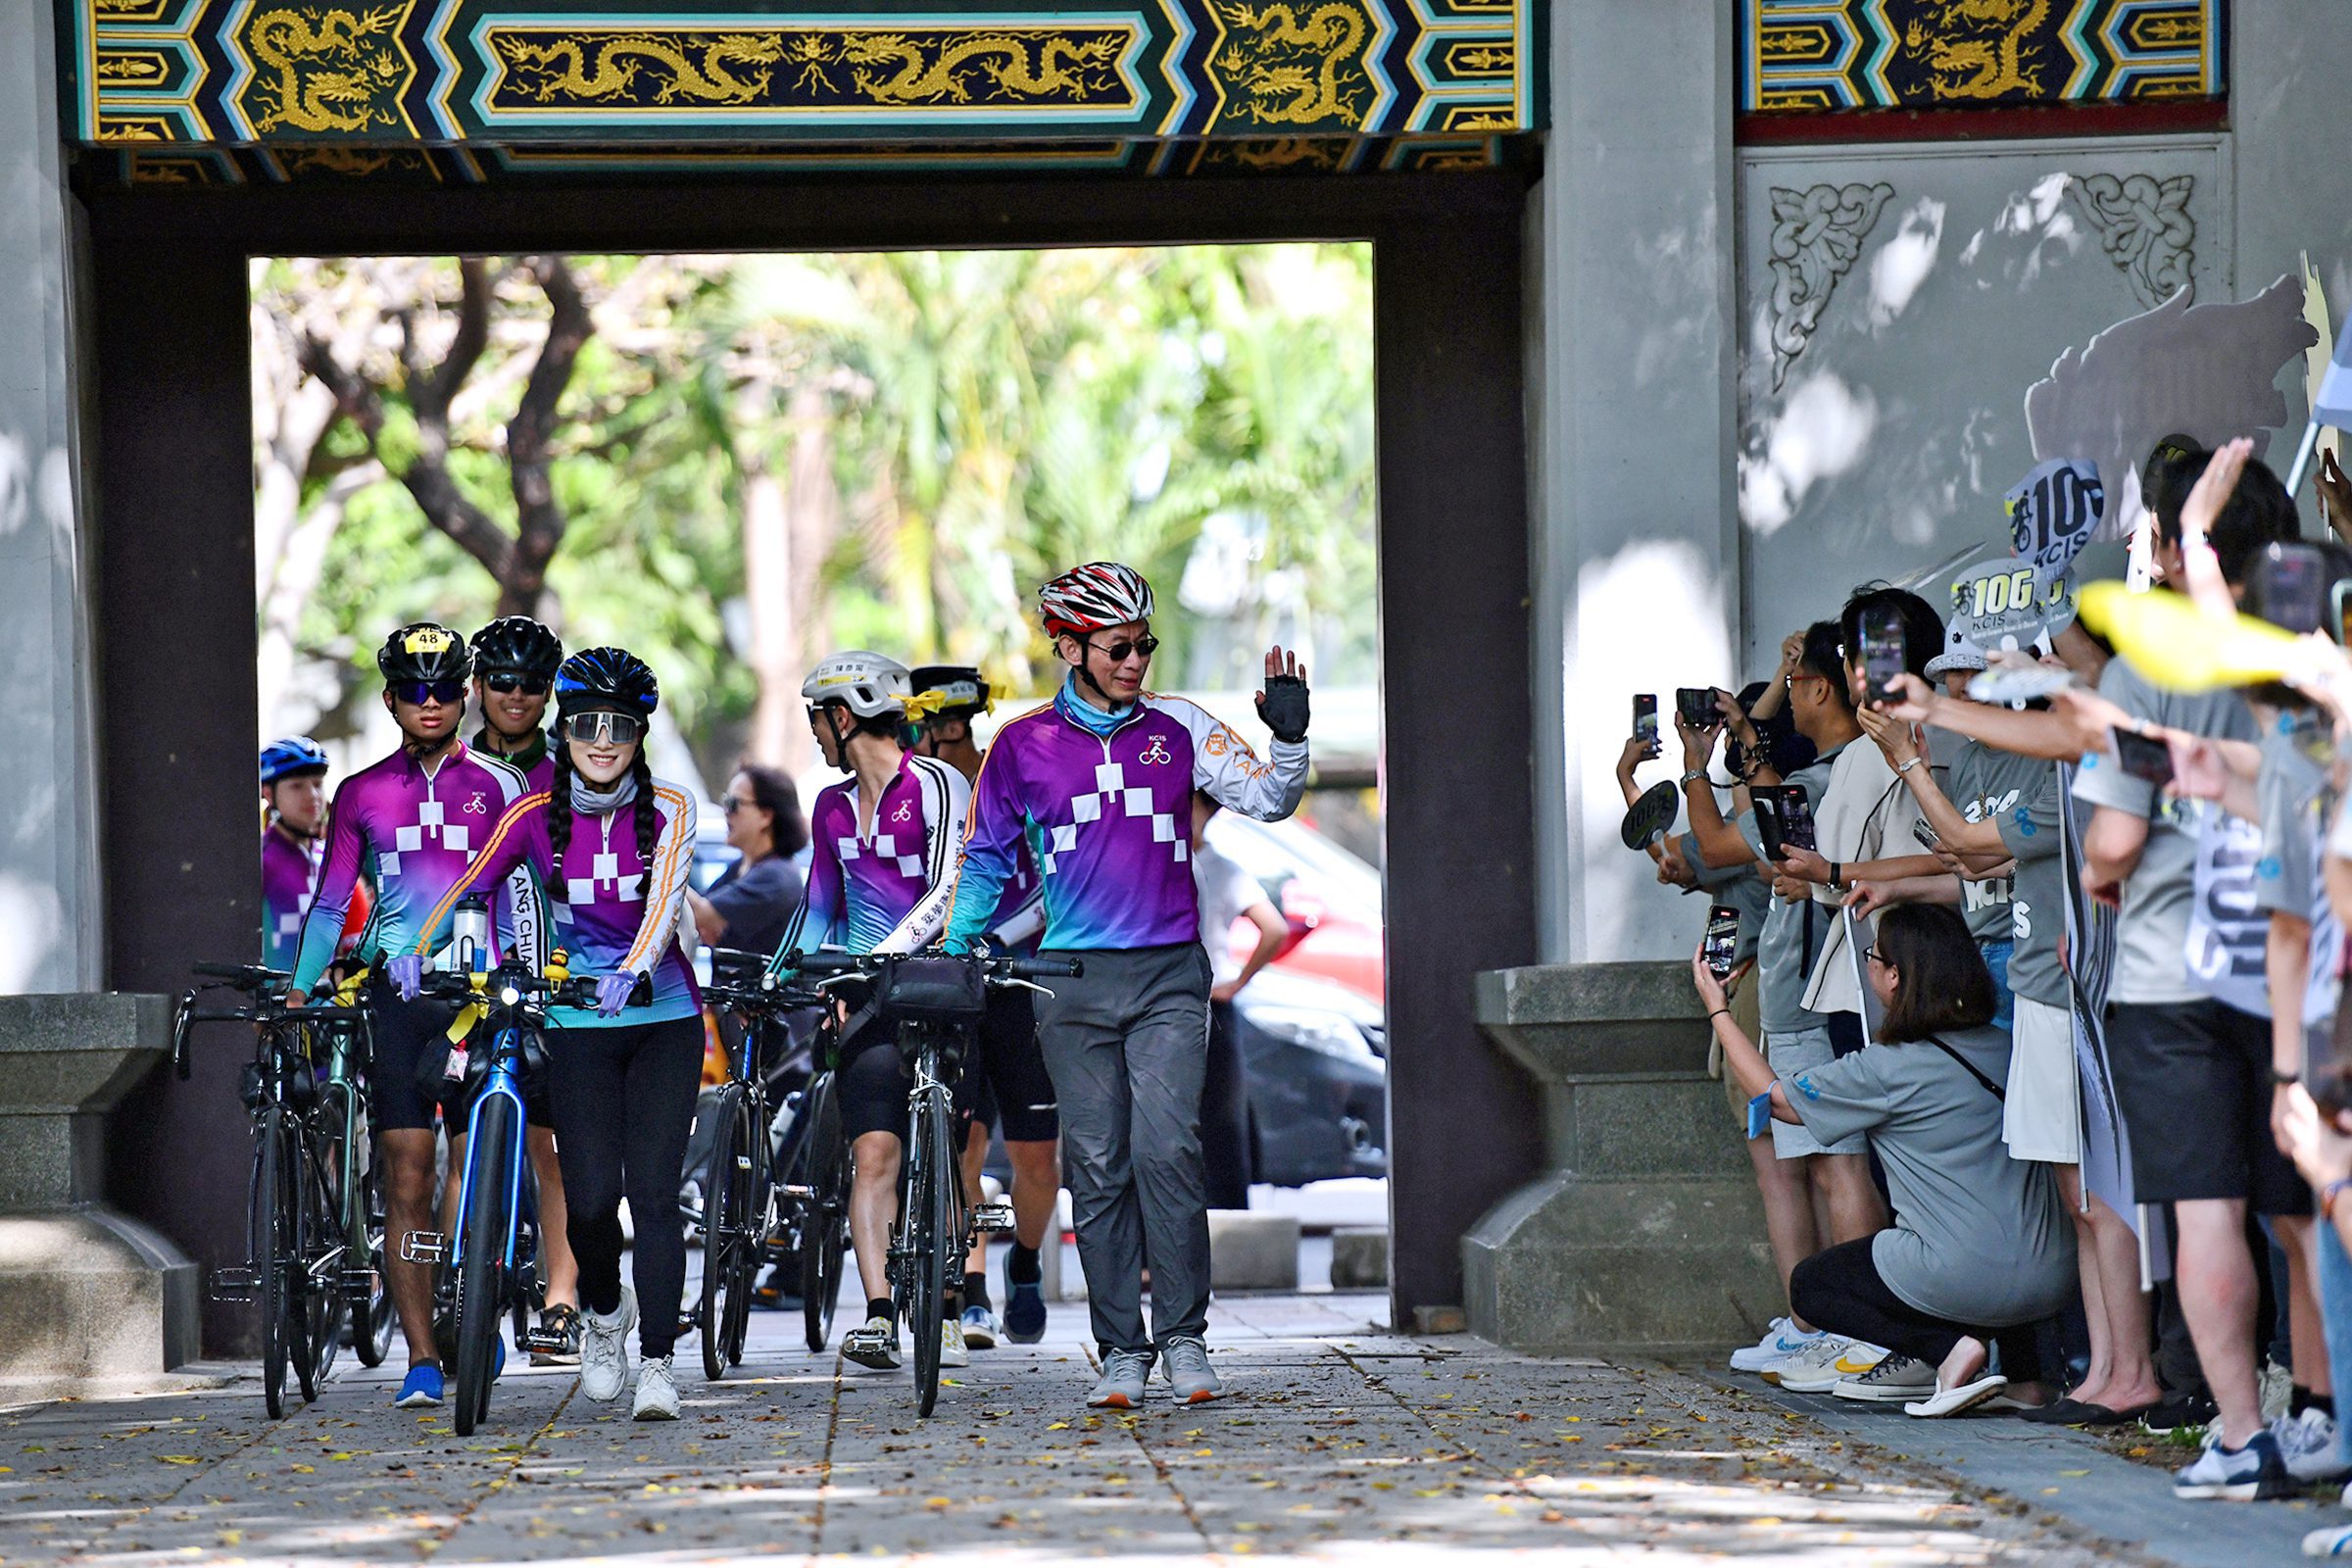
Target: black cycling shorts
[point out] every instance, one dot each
(1016, 1091)
(873, 1082)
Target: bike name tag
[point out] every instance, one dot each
(457, 1064)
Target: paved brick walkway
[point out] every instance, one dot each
(1344, 1443)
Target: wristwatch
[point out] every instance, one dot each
(1694, 775)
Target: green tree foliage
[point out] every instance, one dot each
(991, 419)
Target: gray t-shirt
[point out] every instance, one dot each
(2151, 935)
(1739, 886)
(2031, 832)
(1983, 784)
(1793, 933)
(1977, 1237)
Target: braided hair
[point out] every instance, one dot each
(558, 813)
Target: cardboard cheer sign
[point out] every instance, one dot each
(2004, 606)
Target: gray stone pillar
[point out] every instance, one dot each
(1634, 539)
(1645, 1235)
(49, 890)
(89, 1300)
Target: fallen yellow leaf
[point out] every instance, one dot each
(178, 1458)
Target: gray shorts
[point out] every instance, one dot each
(1788, 1055)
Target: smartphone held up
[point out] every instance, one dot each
(1723, 939)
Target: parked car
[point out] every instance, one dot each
(1314, 1059)
(1331, 898)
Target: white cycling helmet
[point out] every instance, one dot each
(1089, 598)
(868, 684)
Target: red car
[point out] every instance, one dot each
(1331, 898)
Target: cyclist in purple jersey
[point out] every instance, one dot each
(514, 662)
(1017, 1091)
(409, 824)
(609, 850)
(1099, 784)
(294, 804)
(885, 842)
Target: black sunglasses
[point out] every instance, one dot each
(1117, 653)
(528, 685)
(735, 803)
(420, 692)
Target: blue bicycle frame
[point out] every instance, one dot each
(504, 1083)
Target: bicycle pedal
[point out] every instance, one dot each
(235, 1284)
(424, 1246)
(796, 1190)
(545, 1342)
(992, 1217)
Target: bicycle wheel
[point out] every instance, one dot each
(825, 1223)
(930, 1237)
(724, 1184)
(265, 1234)
(370, 1318)
(751, 1247)
(485, 1227)
(320, 1242)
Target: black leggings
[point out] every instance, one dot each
(624, 1101)
(1839, 1289)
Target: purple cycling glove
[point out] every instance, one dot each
(612, 993)
(406, 970)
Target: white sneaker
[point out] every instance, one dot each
(1820, 1366)
(951, 1345)
(2307, 1445)
(2329, 1541)
(980, 1329)
(656, 1390)
(605, 1348)
(1783, 1339)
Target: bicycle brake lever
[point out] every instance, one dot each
(1026, 985)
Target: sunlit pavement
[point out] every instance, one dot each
(1341, 1444)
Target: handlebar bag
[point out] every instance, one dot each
(930, 989)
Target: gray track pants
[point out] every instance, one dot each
(1128, 1048)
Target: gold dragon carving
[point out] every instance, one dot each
(1293, 72)
(728, 68)
(933, 71)
(337, 70)
(1978, 48)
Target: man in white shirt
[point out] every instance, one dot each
(1228, 895)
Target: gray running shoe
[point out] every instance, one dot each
(1121, 1386)
(1190, 1376)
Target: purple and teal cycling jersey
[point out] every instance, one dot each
(885, 889)
(289, 874)
(1109, 818)
(412, 833)
(611, 911)
(539, 777)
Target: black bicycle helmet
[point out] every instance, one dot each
(425, 650)
(516, 645)
(962, 692)
(606, 679)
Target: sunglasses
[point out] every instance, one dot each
(603, 728)
(735, 803)
(1119, 652)
(420, 692)
(528, 685)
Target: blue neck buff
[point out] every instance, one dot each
(1085, 715)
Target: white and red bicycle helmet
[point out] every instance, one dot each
(1089, 598)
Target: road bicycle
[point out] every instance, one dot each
(494, 1258)
(746, 1216)
(934, 1003)
(314, 1214)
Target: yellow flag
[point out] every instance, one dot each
(2181, 648)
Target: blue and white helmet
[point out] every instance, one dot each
(290, 757)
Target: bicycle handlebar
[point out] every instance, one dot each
(535, 991)
(997, 967)
(244, 976)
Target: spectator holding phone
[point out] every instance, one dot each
(1978, 1252)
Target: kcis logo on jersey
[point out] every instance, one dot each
(1157, 752)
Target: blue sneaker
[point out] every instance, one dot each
(421, 1387)
(2241, 1476)
(1024, 1310)
(498, 1368)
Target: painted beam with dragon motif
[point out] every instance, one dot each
(392, 75)
(1809, 57)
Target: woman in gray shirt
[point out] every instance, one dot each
(1980, 1249)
